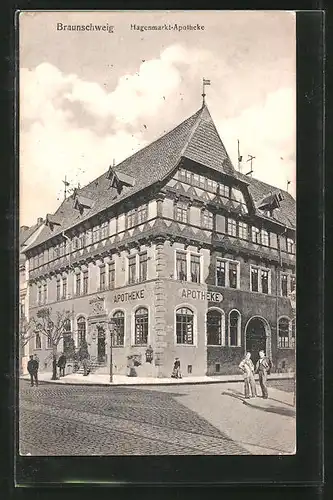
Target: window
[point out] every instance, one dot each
(188, 176)
(132, 269)
(81, 330)
(234, 328)
(264, 238)
(195, 268)
(85, 281)
(292, 283)
(233, 267)
(211, 185)
(284, 285)
(131, 217)
(290, 245)
(220, 273)
(102, 277)
(184, 325)
(141, 326)
(293, 333)
(112, 275)
(67, 335)
(142, 214)
(62, 248)
(49, 342)
(202, 181)
(38, 341)
(95, 234)
(181, 266)
(44, 293)
(181, 212)
(264, 280)
(58, 288)
(104, 231)
(283, 335)
(242, 230)
(254, 279)
(82, 240)
(224, 190)
(119, 328)
(64, 287)
(217, 367)
(214, 327)
(56, 251)
(232, 227)
(255, 235)
(76, 243)
(206, 219)
(22, 310)
(39, 297)
(237, 195)
(78, 284)
(143, 260)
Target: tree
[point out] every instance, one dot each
(26, 333)
(53, 327)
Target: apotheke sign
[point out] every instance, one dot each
(187, 293)
(129, 296)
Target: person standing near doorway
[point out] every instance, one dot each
(247, 368)
(33, 370)
(263, 367)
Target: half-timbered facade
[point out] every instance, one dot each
(184, 253)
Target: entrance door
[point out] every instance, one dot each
(101, 345)
(255, 338)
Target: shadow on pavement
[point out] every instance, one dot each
(286, 412)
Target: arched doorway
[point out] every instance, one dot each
(256, 335)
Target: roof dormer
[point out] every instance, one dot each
(119, 179)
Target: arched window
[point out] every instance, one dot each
(81, 330)
(141, 326)
(38, 341)
(184, 325)
(283, 335)
(119, 330)
(214, 327)
(234, 329)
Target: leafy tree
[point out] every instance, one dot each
(53, 327)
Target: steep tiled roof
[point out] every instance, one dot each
(27, 232)
(286, 214)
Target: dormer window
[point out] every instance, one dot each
(119, 179)
(82, 202)
(51, 221)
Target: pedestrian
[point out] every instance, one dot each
(247, 368)
(62, 364)
(176, 369)
(32, 367)
(263, 367)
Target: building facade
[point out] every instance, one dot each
(172, 251)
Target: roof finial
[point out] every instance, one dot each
(204, 82)
(114, 162)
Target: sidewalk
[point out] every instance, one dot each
(119, 380)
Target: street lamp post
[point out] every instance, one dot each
(111, 328)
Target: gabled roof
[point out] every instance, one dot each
(285, 214)
(27, 232)
(195, 138)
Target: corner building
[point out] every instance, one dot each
(186, 254)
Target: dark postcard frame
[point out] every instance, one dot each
(304, 468)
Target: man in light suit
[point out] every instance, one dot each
(263, 367)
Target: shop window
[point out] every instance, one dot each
(283, 332)
(184, 325)
(207, 219)
(81, 330)
(195, 268)
(132, 269)
(141, 326)
(112, 275)
(214, 327)
(119, 328)
(181, 266)
(38, 341)
(234, 328)
(284, 285)
(143, 261)
(181, 212)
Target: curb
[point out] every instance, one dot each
(154, 384)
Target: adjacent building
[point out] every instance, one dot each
(176, 250)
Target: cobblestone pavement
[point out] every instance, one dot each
(69, 420)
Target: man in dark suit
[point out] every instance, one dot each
(263, 367)
(33, 370)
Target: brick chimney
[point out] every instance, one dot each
(40, 220)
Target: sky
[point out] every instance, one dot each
(91, 98)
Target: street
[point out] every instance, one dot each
(202, 419)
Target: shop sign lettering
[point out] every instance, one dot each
(201, 295)
(127, 296)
